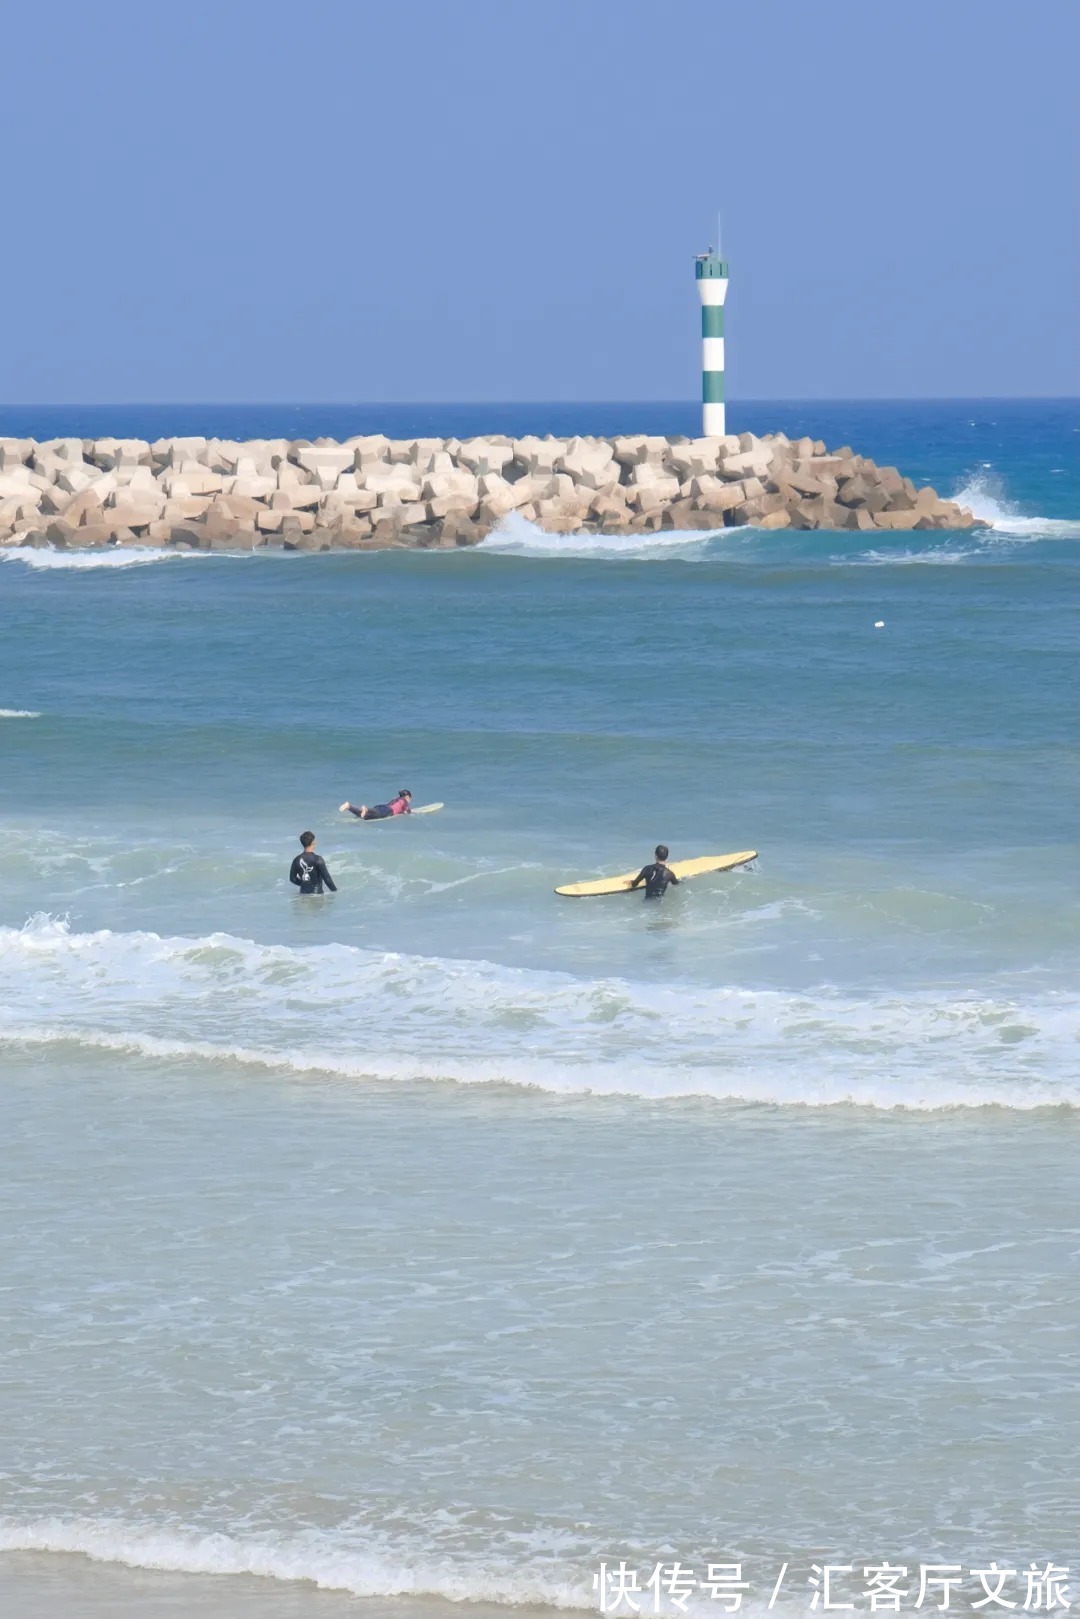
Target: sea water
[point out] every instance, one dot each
(441, 1239)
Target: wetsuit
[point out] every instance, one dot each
(656, 878)
(308, 871)
(382, 812)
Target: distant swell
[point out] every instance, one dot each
(392, 1017)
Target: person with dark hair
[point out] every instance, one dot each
(401, 805)
(657, 876)
(308, 871)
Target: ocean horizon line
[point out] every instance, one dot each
(434, 404)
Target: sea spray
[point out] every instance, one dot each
(983, 492)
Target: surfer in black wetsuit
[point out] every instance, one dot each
(308, 871)
(657, 876)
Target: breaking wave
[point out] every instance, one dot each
(118, 556)
(391, 1017)
(984, 495)
(545, 1569)
(516, 534)
(1008, 530)
(329, 1562)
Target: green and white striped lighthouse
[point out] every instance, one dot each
(712, 279)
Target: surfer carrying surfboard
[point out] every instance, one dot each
(657, 876)
(401, 805)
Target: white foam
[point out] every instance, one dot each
(516, 534)
(319, 1558)
(934, 556)
(513, 1573)
(117, 556)
(984, 496)
(393, 1017)
(19, 714)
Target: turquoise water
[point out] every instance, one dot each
(442, 1237)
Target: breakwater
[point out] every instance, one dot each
(373, 492)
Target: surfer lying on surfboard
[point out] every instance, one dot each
(657, 876)
(401, 805)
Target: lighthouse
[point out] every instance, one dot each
(712, 279)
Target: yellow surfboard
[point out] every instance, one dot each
(682, 868)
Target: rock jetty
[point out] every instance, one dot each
(373, 492)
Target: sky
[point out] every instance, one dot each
(248, 200)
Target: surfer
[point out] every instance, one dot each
(308, 871)
(657, 876)
(401, 805)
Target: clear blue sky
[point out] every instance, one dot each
(501, 199)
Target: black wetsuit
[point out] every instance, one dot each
(656, 878)
(308, 871)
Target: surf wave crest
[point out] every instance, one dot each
(119, 556)
(1006, 536)
(984, 496)
(391, 1017)
(517, 535)
(319, 1558)
(549, 1568)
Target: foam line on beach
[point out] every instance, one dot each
(332, 1562)
(583, 1080)
(315, 1558)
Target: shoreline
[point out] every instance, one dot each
(370, 492)
(41, 1583)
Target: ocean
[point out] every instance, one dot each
(441, 1240)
